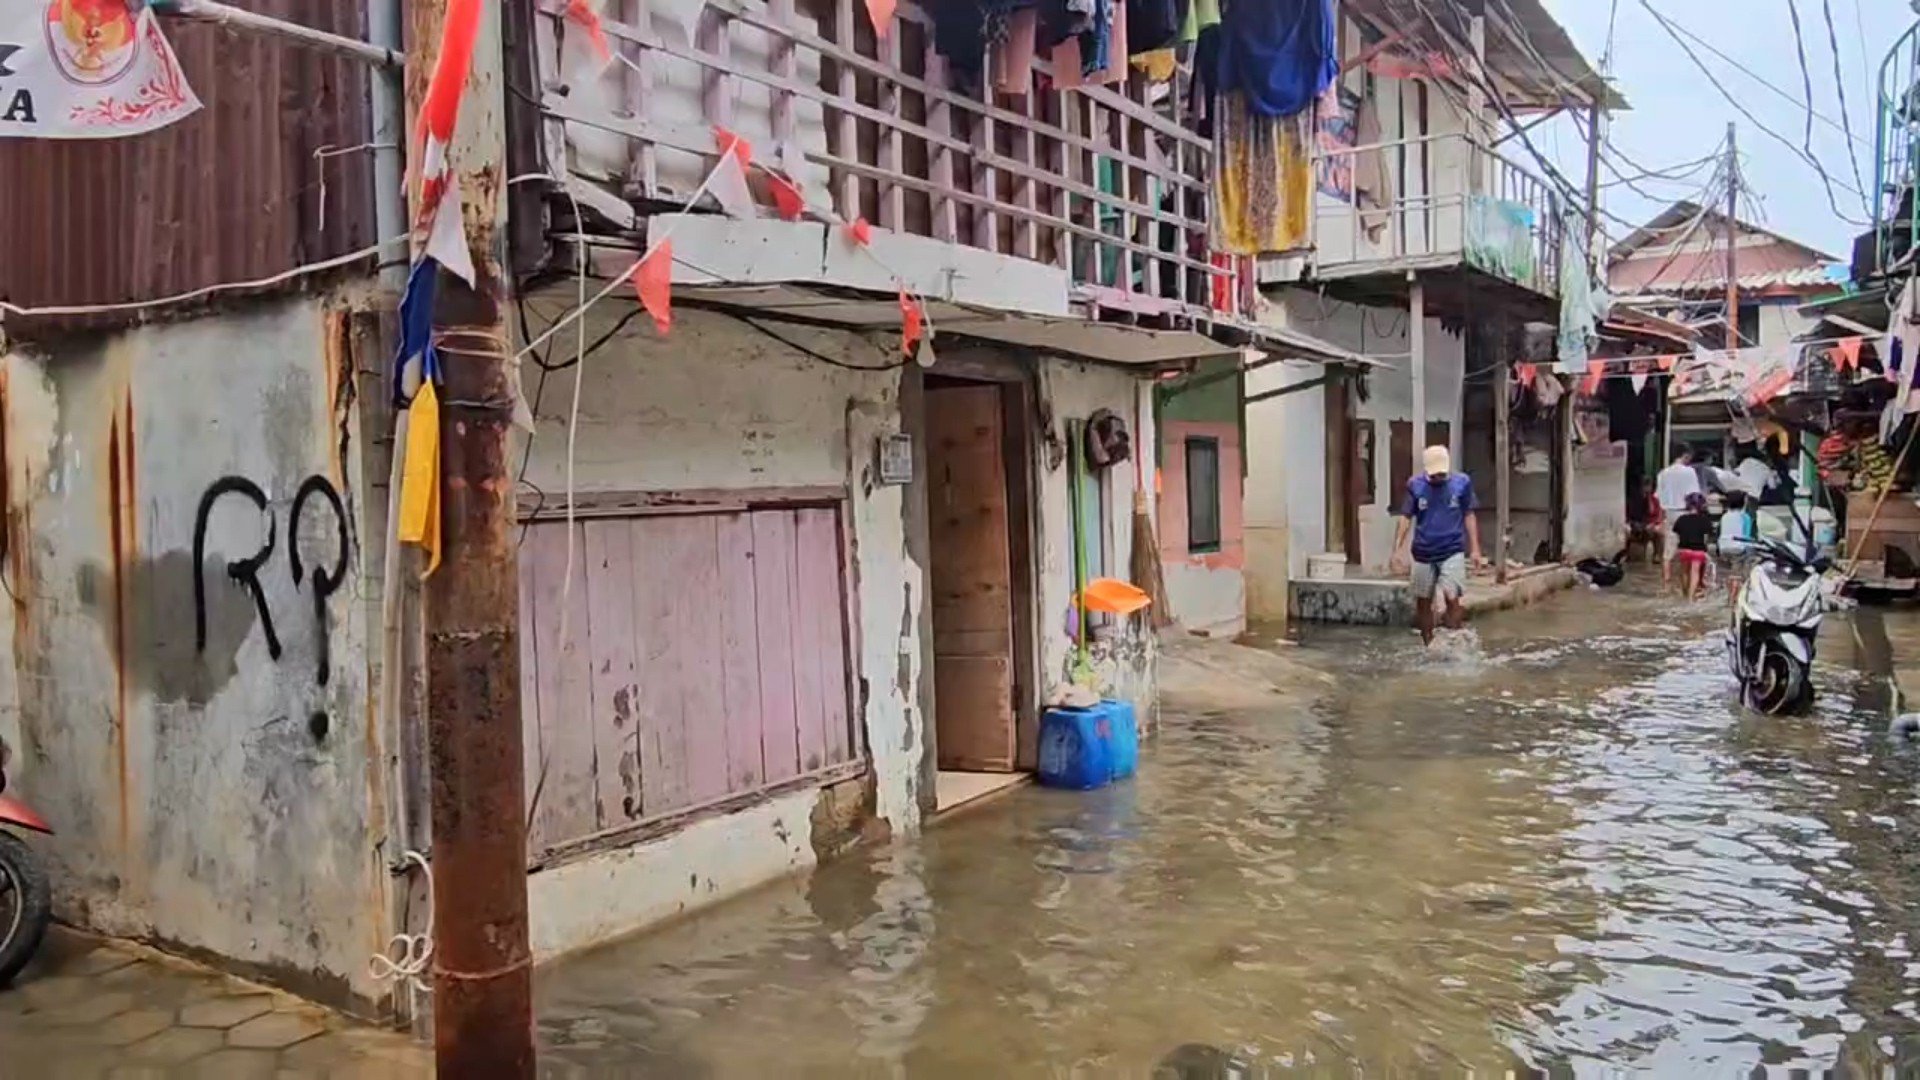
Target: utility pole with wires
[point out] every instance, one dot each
(482, 957)
(1733, 239)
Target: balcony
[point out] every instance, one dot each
(1086, 203)
(1460, 211)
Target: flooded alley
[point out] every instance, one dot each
(1567, 850)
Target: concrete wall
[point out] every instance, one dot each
(1597, 498)
(213, 796)
(719, 405)
(1286, 485)
(1781, 322)
(1380, 334)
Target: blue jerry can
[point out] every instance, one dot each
(1082, 749)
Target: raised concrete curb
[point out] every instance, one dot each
(1376, 602)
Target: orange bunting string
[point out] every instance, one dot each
(911, 322)
(653, 280)
(1846, 354)
(582, 14)
(860, 231)
(881, 12)
(786, 196)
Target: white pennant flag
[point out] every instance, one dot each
(1639, 383)
(729, 186)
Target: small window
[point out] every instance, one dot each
(1203, 495)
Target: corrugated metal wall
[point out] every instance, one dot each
(234, 192)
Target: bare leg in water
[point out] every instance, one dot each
(1423, 617)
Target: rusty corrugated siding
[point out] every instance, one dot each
(231, 193)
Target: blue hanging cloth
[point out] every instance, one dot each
(1279, 54)
(416, 327)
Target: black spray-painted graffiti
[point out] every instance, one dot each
(246, 571)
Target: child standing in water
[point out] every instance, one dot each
(1692, 532)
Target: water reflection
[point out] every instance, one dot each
(1564, 848)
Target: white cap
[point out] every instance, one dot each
(1437, 461)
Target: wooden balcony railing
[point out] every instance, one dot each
(1456, 203)
(1105, 182)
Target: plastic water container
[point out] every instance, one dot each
(1083, 749)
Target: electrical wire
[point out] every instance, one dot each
(1826, 178)
(1840, 85)
(816, 354)
(208, 290)
(1806, 74)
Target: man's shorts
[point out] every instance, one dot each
(1448, 577)
(1669, 540)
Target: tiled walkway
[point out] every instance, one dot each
(87, 1009)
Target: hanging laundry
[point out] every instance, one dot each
(1012, 59)
(965, 31)
(1158, 65)
(1096, 58)
(1153, 24)
(1583, 304)
(1279, 54)
(1373, 189)
(1201, 15)
(1262, 180)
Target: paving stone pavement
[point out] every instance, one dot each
(90, 1009)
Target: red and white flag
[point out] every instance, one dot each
(438, 221)
(729, 181)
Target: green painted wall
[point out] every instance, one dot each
(1217, 402)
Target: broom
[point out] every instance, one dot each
(1145, 565)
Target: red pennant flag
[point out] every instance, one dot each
(735, 145)
(1846, 354)
(911, 320)
(653, 280)
(1591, 384)
(860, 231)
(581, 14)
(786, 196)
(1769, 388)
(440, 110)
(881, 12)
(1666, 362)
(1526, 373)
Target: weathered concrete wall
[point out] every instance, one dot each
(1122, 652)
(212, 787)
(1206, 586)
(1597, 501)
(1286, 484)
(719, 405)
(1376, 332)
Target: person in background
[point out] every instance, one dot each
(1644, 521)
(1756, 476)
(1437, 514)
(1672, 487)
(1692, 531)
(1738, 531)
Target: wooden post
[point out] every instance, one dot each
(1417, 342)
(482, 959)
(1502, 449)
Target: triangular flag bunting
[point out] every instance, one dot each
(1639, 381)
(420, 476)
(729, 180)
(447, 234)
(1666, 362)
(787, 200)
(860, 231)
(653, 280)
(881, 12)
(1590, 385)
(1846, 354)
(912, 322)
(440, 111)
(1525, 374)
(581, 14)
(416, 325)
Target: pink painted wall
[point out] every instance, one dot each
(1206, 589)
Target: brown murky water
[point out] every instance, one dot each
(1574, 853)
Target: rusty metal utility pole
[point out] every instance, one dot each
(1733, 240)
(483, 977)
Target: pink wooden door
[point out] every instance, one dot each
(701, 656)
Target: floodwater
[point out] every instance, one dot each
(1559, 846)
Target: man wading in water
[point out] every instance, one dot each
(1438, 516)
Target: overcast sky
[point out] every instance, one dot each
(1677, 115)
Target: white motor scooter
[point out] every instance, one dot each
(1776, 619)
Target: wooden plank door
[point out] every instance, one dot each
(972, 579)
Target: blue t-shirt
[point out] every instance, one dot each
(1439, 513)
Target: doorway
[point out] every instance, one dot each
(980, 578)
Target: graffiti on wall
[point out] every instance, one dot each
(314, 493)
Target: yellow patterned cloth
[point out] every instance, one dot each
(1262, 179)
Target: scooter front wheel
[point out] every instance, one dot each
(1780, 683)
(26, 906)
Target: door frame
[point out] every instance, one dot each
(1016, 379)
